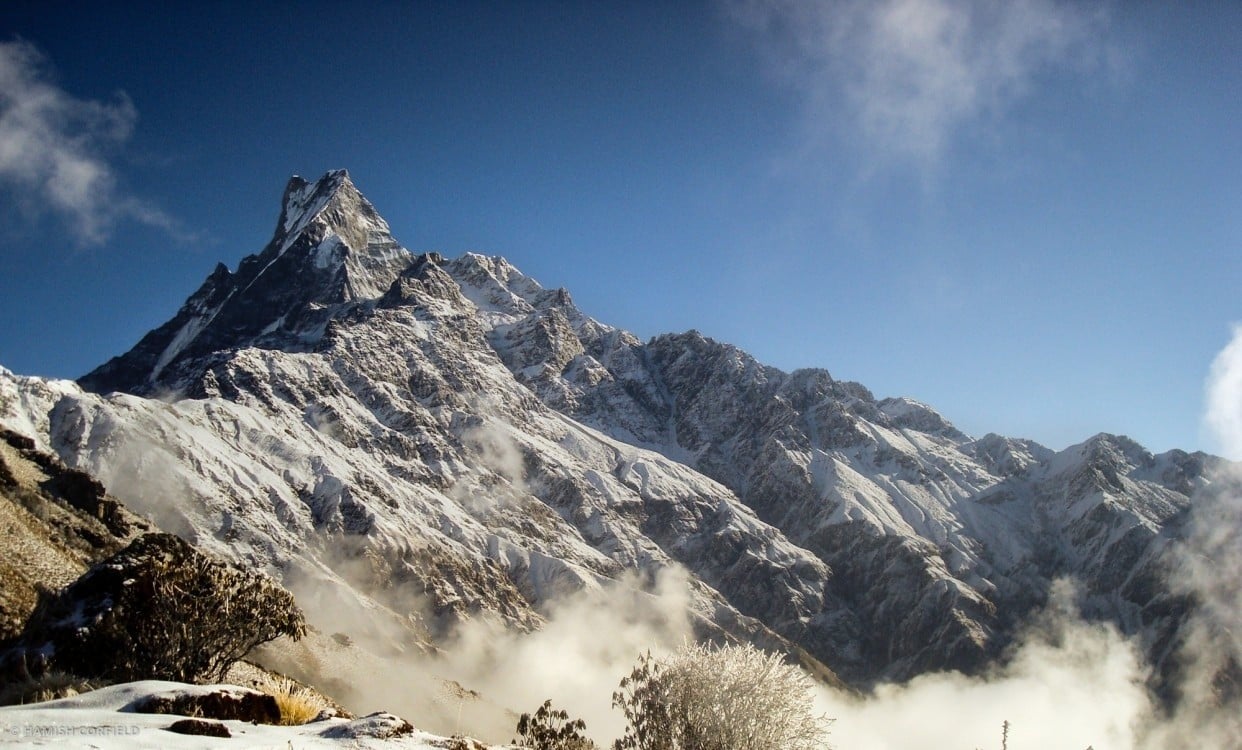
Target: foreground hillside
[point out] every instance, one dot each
(92, 595)
(420, 447)
(56, 521)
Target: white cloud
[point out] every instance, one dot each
(54, 150)
(909, 75)
(1224, 397)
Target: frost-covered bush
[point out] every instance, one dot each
(551, 729)
(718, 698)
(159, 609)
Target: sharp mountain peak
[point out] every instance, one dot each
(330, 248)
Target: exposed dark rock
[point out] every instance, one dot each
(18, 441)
(230, 704)
(200, 727)
(87, 494)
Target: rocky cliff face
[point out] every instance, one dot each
(938, 543)
(385, 429)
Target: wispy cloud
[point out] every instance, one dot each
(909, 75)
(55, 150)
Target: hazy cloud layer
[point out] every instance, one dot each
(589, 640)
(908, 75)
(592, 639)
(1068, 685)
(55, 149)
(1209, 571)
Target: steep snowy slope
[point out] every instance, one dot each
(424, 440)
(374, 450)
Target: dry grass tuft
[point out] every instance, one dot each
(298, 704)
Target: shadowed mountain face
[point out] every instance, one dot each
(383, 427)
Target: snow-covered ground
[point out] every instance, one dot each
(104, 719)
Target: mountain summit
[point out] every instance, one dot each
(391, 427)
(330, 248)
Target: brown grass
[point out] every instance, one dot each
(298, 704)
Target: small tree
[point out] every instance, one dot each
(551, 729)
(644, 697)
(160, 609)
(718, 698)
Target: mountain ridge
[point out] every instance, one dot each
(472, 438)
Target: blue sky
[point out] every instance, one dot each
(1026, 214)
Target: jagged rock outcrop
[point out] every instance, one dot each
(221, 704)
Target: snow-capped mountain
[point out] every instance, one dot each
(380, 427)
